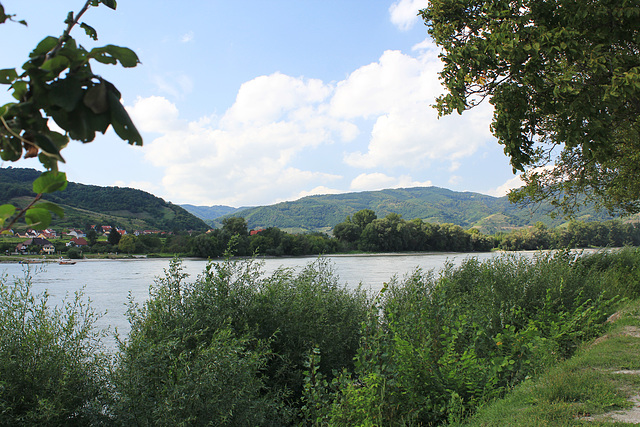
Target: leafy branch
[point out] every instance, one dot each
(57, 83)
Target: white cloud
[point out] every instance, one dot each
(247, 157)
(380, 181)
(404, 13)
(155, 114)
(319, 191)
(503, 190)
(455, 180)
(398, 92)
(187, 37)
(252, 154)
(269, 98)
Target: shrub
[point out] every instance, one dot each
(52, 366)
(435, 348)
(230, 347)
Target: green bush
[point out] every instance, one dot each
(52, 366)
(229, 348)
(436, 348)
(176, 368)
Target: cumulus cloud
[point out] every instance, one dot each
(398, 91)
(503, 190)
(260, 150)
(155, 114)
(246, 156)
(404, 13)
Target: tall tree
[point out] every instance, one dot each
(564, 79)
(114, 236)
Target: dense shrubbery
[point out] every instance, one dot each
(236, 347)
(52, 369)
(230, 347)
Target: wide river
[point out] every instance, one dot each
(109, 282)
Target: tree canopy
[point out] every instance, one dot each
(563, 77)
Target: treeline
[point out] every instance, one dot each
(234, 238)
(577, 234)
(366, 232)
(238, 347)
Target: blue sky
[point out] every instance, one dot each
(250, 103)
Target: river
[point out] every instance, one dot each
(108, 283)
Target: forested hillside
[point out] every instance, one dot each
(126, 207)
(431, 204)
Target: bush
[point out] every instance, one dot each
(74, 253)
(230, 347)
(435, 348)
(52, 366)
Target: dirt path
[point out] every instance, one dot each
(631, 415)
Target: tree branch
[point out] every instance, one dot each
(21, 213)
(65, 35)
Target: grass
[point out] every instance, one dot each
(587, 385)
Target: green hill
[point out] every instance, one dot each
(91, 204)
(433, 204)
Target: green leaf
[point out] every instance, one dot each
(20, 88)
(8, 76)
(96, 98)
(47, 146)
(111, 4)
(51, 207)
(111, 54)
(89, 30)
(56, 65)
(44, 47)
(6, 212)
(38, 218)
(120, 119)
(69, 19)
(49, 182)
(66, 93)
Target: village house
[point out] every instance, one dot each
(48, 234)
(76, 233)
(46, 247)
(77, 241)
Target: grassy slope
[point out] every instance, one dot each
(585, 390)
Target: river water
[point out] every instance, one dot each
(108, 283)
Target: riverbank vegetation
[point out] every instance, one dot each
(234, 346)
(362, 232)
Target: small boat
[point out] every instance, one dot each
(66, 262)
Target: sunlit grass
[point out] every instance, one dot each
(588, 384)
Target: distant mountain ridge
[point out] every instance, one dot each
(84, 204)
(433, 204)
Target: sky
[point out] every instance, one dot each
(247, 103)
